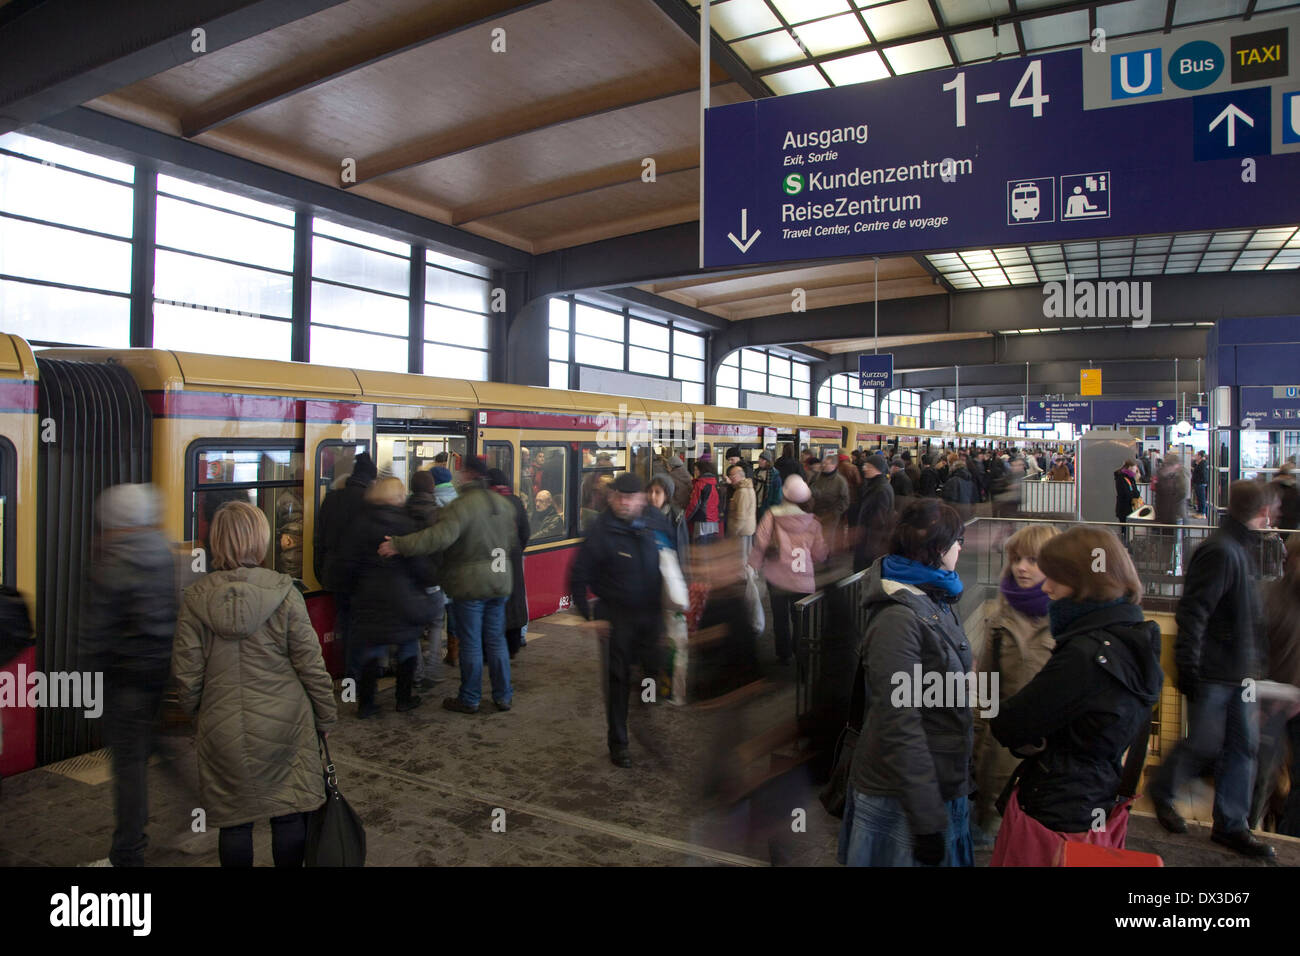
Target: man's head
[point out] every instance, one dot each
(543, 501)
(830, 463)
(473, 468)
(735, 474)
(1251, 502)
(627, 496)
(764, 460)
(896, 466)
(539, 459)
(440, 459)
(874, 465)
(733, 455)
(1200, 456)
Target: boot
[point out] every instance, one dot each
(405, 680)
(453, 651)
(369, 683)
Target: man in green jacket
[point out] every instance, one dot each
(473, 534)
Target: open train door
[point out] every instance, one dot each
(334, 433)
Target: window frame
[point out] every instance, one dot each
(569, 494)
(320, 458)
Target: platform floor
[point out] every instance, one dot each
(428, 785)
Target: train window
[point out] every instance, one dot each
(501, 454)
(268, 477)
(543, 488)
(405, 454)
(334, 461)
(600, 466)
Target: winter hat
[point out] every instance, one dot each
(766, 456)
(733, 453)
(364, 467)
(441, 475)
(129, 506)
(899, 462)
(663, 481)
(475, 465)
(878, 462)
(628, 484)
(676, 462)
(795, 490)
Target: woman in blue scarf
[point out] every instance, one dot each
(907, 796)
(1018, 643)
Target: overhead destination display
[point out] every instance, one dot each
(1198, 129)
(1102, 412)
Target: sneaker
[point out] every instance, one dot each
(500, 706)
(411, 704)
(457, 706)
(1245, 843)
(619, 758)
(1170, 819)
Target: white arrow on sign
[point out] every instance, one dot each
(1231, 113)
(744, 233)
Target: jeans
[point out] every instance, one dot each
(1223, 730)
(131, 708)
(288, 842)
(875, 832)
(634, 637)
(481, 627)
(783, 602)
(430, 664)
(1200, 497)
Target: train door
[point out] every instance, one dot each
(405, 447)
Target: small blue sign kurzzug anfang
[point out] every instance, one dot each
(1007, 153)
(876, 371)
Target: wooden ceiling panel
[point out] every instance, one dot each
(837, 346)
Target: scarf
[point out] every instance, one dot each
(906, 571)
(1065, 612)
(1031, 602)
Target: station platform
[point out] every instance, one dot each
(429, 785)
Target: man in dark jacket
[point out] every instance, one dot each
(423, 507)
(874, 521)
(1220, 652)
(928, 486)
(127, 636)
(337, 511)
(619, 563)
(1200, 481)
(899, 481)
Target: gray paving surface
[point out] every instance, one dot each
(427, 784)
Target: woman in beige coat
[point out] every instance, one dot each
(249, 666)
(1017, 645)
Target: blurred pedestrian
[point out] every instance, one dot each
(248, 667)
(127, 634)
(517, 606)
(874, 522)
(1282, 726)
(767, 485)
(703, 510)
(1201, 482)
(830, 500)
(788, 545)
(337, 511)
(740, 509)
(423, 507)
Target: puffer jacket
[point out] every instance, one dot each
(741, 507)
(921, 755)
(130, 611)
(795, 539)
(1087, 704)
(1220, 616)
(249, 666)
(390, 604)
(1016, 648)
(474, 535)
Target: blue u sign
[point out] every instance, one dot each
(1136, 73)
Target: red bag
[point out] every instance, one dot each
(1023, 841)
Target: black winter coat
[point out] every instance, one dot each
(901, 484)
(423, 508)
(1088, 703)
(1126, 490)
(337, 512)
(928, 487)
(959, 489)
(874, 522)
(390, 603)
(131, 603)
(619, 563)
(1220, 616)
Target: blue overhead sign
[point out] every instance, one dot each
(1271, 406)
(1159, 412)
(876, 371)
(1055, 413)
(1145, 137)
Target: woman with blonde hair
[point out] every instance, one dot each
(1018, 644)
(250, 671)
(1086, 707)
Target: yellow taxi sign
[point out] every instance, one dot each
(1090, 381)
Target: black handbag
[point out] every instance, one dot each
(335, 836)
(834, 794)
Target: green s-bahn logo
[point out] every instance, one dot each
(793, 184)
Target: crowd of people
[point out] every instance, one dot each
(1075, 665)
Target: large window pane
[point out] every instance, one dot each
(684, 343)
(728, 397)
(372, 270)
(358, 350)
(45, 314)
(728, 376)
(323, 227)
(647, 361)
(43, 192)
(778, 386)
(448, 361)
(648, 334)
(692, 393)
(559, 313)
(589, 351)
(354, 309)
(220, 285)
(598, 322)
(183, 225)
(460, 265)
(34, 251)
(559, 345)
(691, 370)
(220, 333)
(66, 156)
(455, 328)
(780, 367)
(753, 381)
(754, 360)
(559, 375)
(451, 288)
(801, 371)
(218, 197)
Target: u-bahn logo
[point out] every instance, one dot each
(1136, 73)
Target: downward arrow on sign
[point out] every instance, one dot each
(1231, 113)
(744, 230)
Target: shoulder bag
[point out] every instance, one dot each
(335, 836)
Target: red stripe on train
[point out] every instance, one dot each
(233, 407)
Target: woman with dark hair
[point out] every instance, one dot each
(1127, 497)
(517, 604)
(1084, 709)
(907, 798)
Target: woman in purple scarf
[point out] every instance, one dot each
(1018, 643)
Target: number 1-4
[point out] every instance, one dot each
(1033, 77)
